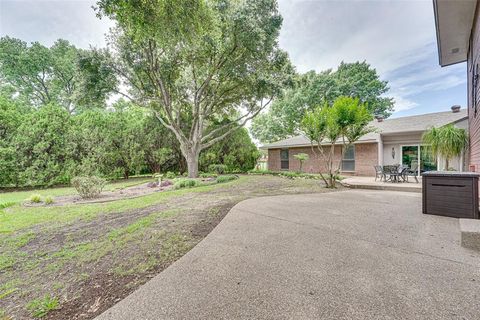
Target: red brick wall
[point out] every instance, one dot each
(365, 158)
(273, 160)
(474, 118)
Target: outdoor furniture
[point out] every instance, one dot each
(451, 194)
(391, 173)
(379, 173)
(402, 173)
(412, 172)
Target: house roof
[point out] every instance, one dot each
(453, 22)
(403, 125)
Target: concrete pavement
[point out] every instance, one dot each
(356, 254)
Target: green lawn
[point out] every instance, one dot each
(20, 196)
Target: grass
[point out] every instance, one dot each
(18, 218)
(39, 308)
(20, 196)
(61, 251)
(223, 179)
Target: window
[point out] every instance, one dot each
(348, 161)
(284, 164)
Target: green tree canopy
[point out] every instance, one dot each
(41, 75)
(196, 63)
(356, 80)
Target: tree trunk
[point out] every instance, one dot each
(446, 163)
(191, 156)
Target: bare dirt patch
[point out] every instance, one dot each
(90, 264)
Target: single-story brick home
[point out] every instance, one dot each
(395, 141)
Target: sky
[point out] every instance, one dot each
(396, 37)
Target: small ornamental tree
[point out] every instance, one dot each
(302, 157)
(447, 142)
(340, 124)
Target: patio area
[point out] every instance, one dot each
(359, 182)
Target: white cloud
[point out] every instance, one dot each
(46, 21)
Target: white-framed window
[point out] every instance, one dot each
(348, 161)
(284, 162)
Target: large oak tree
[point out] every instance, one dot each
(197, 63)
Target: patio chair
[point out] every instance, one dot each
(379, 173)
(402, 173)
(412, 172)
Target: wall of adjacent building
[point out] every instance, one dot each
(474, 92)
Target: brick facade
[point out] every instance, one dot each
(366, 157)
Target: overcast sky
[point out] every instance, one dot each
(396, 37)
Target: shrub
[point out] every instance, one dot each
(88, 187)
(39, 308)
(170, 175)
(222, 179)
(262, 172)
(217, 168)
(48, 200)
(290, 174)
(35, 198)
(185, 183)
(208, 175)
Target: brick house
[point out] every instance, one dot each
(395, 141)
(458, 40)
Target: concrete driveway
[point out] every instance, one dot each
(343, 255)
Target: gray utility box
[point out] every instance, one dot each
(450, 193)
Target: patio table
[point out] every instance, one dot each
(395, 173)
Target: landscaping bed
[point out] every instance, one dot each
(75, 261)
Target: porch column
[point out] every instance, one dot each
(380, 150)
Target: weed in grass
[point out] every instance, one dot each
(48, 200)
(7, 293)
(6, 261)
(3, 315)
(174, 246)
(5, 205)
(84, 276)
(7, 289)
(19, 241)
(214, 211)
(35, 198)
(57, 285)
(39, 308)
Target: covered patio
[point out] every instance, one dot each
(359, 182)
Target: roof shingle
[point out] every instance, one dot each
(408, 124)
